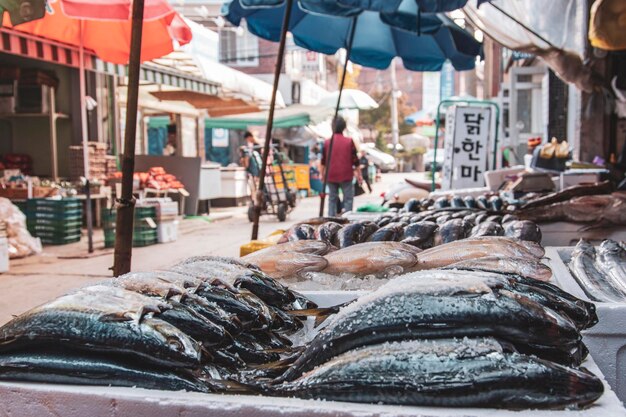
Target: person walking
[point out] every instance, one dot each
(344, 166)
(364, 165)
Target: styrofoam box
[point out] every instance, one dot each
(607, 339)
(48, 400)
(568, 234)
(167, 231)
(234, 183)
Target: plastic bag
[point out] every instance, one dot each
(21, 243)
(607, 25)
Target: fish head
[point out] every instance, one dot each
(176, 340)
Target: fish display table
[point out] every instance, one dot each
(47, 400)
(607, 339)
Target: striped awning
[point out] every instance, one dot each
(33, 47)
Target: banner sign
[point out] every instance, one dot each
(466, 147)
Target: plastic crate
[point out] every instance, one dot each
(53, 205)
(65, 215)
(53, 225)
(47, 234)
(141, 237)
(60, 240)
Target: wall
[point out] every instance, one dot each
(32, 135)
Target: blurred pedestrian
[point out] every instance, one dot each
(364, 165)
(343, 168)
(250, 160)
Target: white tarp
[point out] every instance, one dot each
(561, 27)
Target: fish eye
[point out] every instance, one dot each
(174, 344)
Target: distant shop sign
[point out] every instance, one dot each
(466, 147)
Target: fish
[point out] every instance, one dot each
(474, 247)
(86, 328)
(482, 203)
(481, 218)
(487, 228)
(318, 221)
(419, 234)
(508, 218)
(388, 233)
(608, 208)
(291, 259)
(441, 202)
(326, 232)
(569, 193)
(372, 258)
(300, 231)
(523, 230)
(349, 235)
(383, 221)
(446, 373)
(369, 228)
(177, 314)
(412, 206)
(470, 202)
(425, 305)
(449, 231)
(593, 282)
(441, 219)
(529, 268)
(582, 313)
(221, 301)
(611, 258)
(82, 368)
(457, 202)
(496, 203)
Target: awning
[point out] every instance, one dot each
(199, 58)
(215, 106)
(33, 47)
(296, 115)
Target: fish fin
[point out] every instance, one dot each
(172, 292)
(145, 310)
(230, 386)
(276, 365)
(206, 353)
(116, 317)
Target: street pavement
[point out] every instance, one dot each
(34, 280)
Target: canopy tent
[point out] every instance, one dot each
(296, 115)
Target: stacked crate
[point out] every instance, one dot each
(144, 231)
(54, 221)
(101, 165)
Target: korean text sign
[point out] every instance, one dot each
(466, 147)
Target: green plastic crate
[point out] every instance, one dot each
(50, 215)
(46, 234)
(53, 225)
(60, 240)
(53, 205)
(141, 237)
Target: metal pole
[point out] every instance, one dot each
(83, 119)
(258, 200)
(337, 107)
(395, 130)
(126, 203)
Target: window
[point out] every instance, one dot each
(238, 47)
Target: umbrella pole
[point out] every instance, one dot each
(258, 199)
(85, 133)
(332, 137)
(126, 203)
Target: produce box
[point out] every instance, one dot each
(607, 339)
(48, 400)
